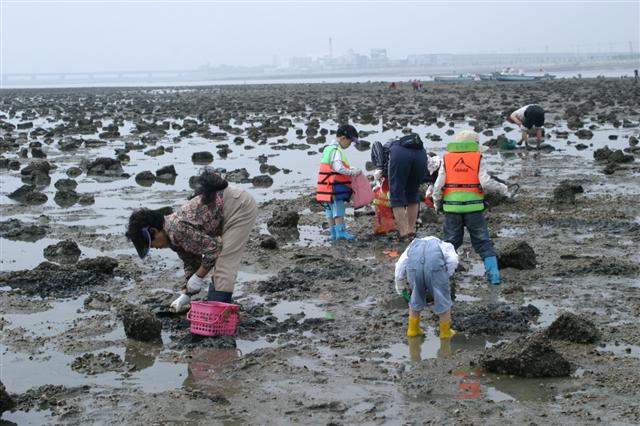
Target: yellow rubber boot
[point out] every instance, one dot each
(414, 327)
(446, 332)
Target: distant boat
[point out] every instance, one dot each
(486, 76)
(453, 78)
(513, 75)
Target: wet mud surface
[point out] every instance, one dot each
(86, 335)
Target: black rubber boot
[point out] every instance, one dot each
(218, 296)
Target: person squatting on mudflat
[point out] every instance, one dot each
(426, 264)
(459, 192)
(334, 181)
(210, 231)
(528, 117)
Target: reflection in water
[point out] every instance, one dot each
(204, 366)
(415, 348)
(141, 355)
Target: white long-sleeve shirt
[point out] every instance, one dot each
(336, 162)
(450, 259)
(488, 184)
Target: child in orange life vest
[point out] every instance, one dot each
(334, 181)
(427, 265)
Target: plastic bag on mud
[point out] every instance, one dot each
(384, 222)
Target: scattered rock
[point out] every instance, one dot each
(584, 134)
(166, 175)
(104, 166)
(86, 199)
(66, 185)
(101, 264)
(73, 172)
(203, 157)
(50, 279)
(15, 229)
(6, 402)
(526, 356)
(66, 198)
(98, 301)
(573, 328)
(98, 363)
(27, 194)
(269, 243)
(66, 251)
(140, 324)
(283, 219)
(145, 178)
(494, 318)
(262, 181)
(617, 156)
(237, 176)
(565, 193)
(518, 255)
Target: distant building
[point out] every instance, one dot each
(378, 58)
(301, 62)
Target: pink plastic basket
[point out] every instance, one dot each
(213, 318)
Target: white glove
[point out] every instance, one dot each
(400, 285)
(377, 174)
(355, 171)
(180, 304)
(429, 191)
(195, 284)
(437, 207)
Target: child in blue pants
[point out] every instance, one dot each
(426, 265)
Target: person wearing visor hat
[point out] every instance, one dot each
(334, 181)
(209, 232)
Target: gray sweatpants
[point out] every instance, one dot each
(239, 214)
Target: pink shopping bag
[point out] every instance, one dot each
(362, 192)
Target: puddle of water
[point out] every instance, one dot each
(285, 309)
(54, 367)
(548, 311)
(466, 298)
(33, 417)
(476, 269)
(621, 349)
(521, 389)
(511, 232)
(312, 236)
(52, 321)
(431, 346)
(474, 385)
(248, 346)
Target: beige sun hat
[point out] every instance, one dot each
(470, 135)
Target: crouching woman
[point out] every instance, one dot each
(209, 232)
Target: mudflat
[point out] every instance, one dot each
(322, 332)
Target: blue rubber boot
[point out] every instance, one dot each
(332, 230)
(342, 234)
(491, 269)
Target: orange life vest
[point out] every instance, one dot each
(461, 172)
(331, 184)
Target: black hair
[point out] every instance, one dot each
(138, 220)
(208, 183)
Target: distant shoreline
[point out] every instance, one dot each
(399, 75)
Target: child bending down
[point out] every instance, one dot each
(427, 265)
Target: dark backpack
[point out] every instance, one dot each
(411, 141)
(380, 156)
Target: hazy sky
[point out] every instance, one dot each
(50, 35)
